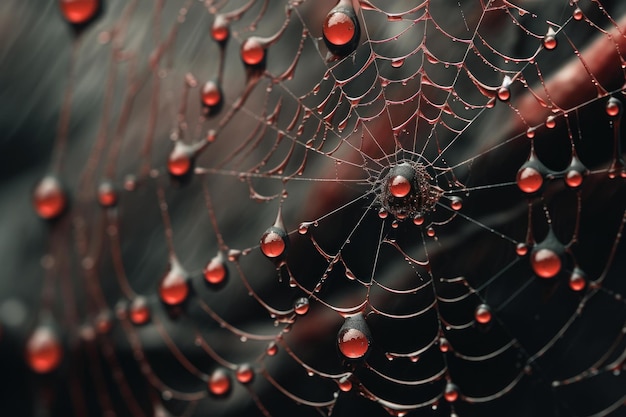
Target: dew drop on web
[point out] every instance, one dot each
(220, 30)
(578, 280)
(253, 51)
(180, 160)
(107, 195)
(354, 337)
(275, 240)
(79, 12)
(613, 107)
(451, 392)
(216, 272)
(49, 199)
(482, 314)
(43, 350)
(244, 373)
(174, 287)
(529, 179)
(344, 383)
(211, 95)
(219, 382)
(549, 40)
(301, 306)
(545, 258)
(341, 29)
(139, 311)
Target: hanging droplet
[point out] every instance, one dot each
(220, 31)
(138, 311)
(345, 384)
(219, 382)
(401, 178)
(107, 196)
(456, 203)
(578, 280)
(382, 213)
(341, 29)
(180, 160)
(275, 240)
(216, 272)
(418, 220)
(253, 51)
(245, 373)
(530, 133)
(521, 249)
(578, 14)
(504, 93)
(174, 287)
(482, 314)
(549, 40)
(451, 393)
(530, 175)
(430, 232)
(103, 322)
(43, 350)
(575, 173)
(550, 122)
(301, 306)
(354, 337)
(79, 12)
(613, 107)
(272, 349)
(545, 258)
(211, 96)
(49, 198)
(444, 345)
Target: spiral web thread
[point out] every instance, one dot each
(470, 90)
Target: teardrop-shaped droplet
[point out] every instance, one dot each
(578, 280)
(451, 392)
(253, 51)
(575, 173)
(49, 198)
(401, 179)
(382, 213)
(354, 337)
(180, 160)
(444, 345)
(219, 382)
(301, 306)
(549, 40)
(341, 30)
(545, 257)
(244, 373)
(550, 122)
(578, 14)
(220, 31)
(345, 384)
(504, 93)
(272, 349)
(216, 272)
(456, 203)
(211, 96)
(174, 287)
(482, 314)
(613, 107)
(139, 311)
(530, 176)
(43, 350)
(275, 240)
(79, 12)
(521, 249)
(107, 195)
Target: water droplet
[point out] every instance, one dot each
(545, 258)
(49, 199)
(399, 186)
(107, 196)
(444, 345)
(272, 349)
(395, 224)
(245, 373)
(418, 220)
(397, 63)
(578, 14)
(220, 31)
(301, 306)
(79, 12)
(456, 203)
(382, 213)
(253, 51)
(211, 95)
(354, 337)
(529, 179)
(430, 231)
(549, 40)
(613, 107)
(43, 350)
(274, 242)
(219, 382)
(504, 93)
(138, 311)
(344, 383)
(180, 161)
(482, 314)
(521, 249)
(174, 287)
(578, 280)
(341, 30)
(530, 133)
(550, 122)
(451, 393)
(216, 272)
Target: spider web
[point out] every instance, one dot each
(459, 316)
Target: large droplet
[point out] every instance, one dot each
(275, 240)
(174, 287)
(482, 314)
(301, 306)
(451, 392)
(107, 195)
(43, 350)
(79, 12)
(341, 30)
(139, 311)
(219, 382)
(180, 160)
(575, 173)
(216, 272)
(530, 175)
(578, 14)
(354, 337)
(49, 198)
(345, 384)
(549, 40)
(504, 92)
(613, 107)
(253, 51)
(545, 257)
(245, 373)
(220, 31)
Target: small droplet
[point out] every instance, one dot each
(79, 12)
(545, 258)
(482, 314)
(219, 382)
(530, 133)
(395, 224)
(397, 63)
(504, 93)
(529, 179)
(430, 231)
(180, 160)
(245, 373)
(549, 40)
(382, 213)
(107, 196)
(578, 280)
(354, 337)
(344, 383)
(211, 95)
(272, 349)
(521, 249)
(456, 203)
(138, 311)
(301, 306)
(451, 393)
(216, 272)
(573, 178)
(43, 350)
(418, 220)
(220, 31)
(578, 14)
(253, 51)
(444, 345)
(174, 287)
(550, 122)
(49, 198)
(613, 107)
(341, 30)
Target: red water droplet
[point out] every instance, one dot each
(245, 373)
(430, 232)
(338, 28)
(397, 63)
(103, 322)
(550, 122)
(211, 95)
(107, 196)
(179, 162)
(219, 382)
(43, 350)
(252, 51)
(219, 30)
(613, 107)
(273, 243)
(399, 186)
(418, 220)
(530, 133)
(549, 41)
(49, 198)
(382, 213)
(79, 12)
(456, 203)
(272, 349)
(578, 14)
(573, 178)
(451, 393)
(353, 343)
(578, 280)
(504, 94)
(529, 180)
(345, 384)
(174, 288)
(545, 262)
(444, 345)
(521, 249)
(215, 271)
(139, 312)
(483, 314)
(301, 306)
